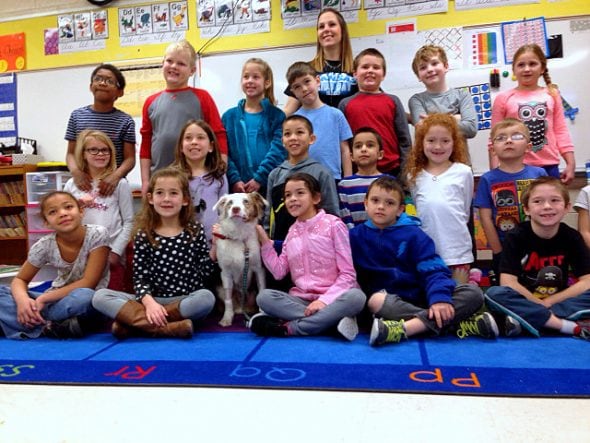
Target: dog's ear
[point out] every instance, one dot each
(259, 202)
(220, 203)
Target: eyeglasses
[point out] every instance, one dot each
(96, 151)
(106, 80)
(517, 136)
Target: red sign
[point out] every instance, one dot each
(12, 52)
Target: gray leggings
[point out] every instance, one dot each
(467, 300)
(195, 306)
(288, 307)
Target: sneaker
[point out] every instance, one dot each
(348, 328)
(481, 325)
(512, 327)
(387, 331)
(68, 328)
(267, 326)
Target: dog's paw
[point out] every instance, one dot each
(226, 320)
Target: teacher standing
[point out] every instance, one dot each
(333, 61)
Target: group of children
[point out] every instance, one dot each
(342, 236)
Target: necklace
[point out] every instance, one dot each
(333, 65)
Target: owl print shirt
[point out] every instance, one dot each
(543, 115)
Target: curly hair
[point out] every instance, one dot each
(147, 219)
(417, 160)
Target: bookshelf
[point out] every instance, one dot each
(13, 224)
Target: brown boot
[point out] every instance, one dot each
(173, 310)
(132, 314)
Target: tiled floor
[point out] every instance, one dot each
(48, 414)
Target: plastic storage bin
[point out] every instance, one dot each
(34, 220)
(40, 183)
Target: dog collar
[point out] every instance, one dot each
(221, 236)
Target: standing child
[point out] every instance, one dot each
(535, 263)
(582, 207)
(317, 254)
(95, 157)
(499, 190)
(331, 128)
(297, 137)
(197, 154)
(430, 65)
(107, 84)
(79, 253)
(367, 150)
(170, 264)
(412, 290)
(254, 130)
(541, 110)
(441, 184)
(374, 108)
(166, 112)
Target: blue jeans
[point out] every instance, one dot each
(78, 302)
(534, 313)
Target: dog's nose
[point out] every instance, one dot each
(235, 209)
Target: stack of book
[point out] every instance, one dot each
(12, 225)
(12, 193)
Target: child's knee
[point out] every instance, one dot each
(376, 301)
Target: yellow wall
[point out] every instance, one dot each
(36, 58)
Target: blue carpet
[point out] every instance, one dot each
(524, 366)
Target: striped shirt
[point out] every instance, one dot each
(118, 125)
(351, 192)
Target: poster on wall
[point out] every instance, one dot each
(8, 114)
(381, 9)
(476, 4)
(79, 32)
(153, 24)
(217, 17)
(523, 32)
(13, 54)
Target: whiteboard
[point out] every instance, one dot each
(46, 98)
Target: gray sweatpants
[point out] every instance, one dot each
(288, 307)
(195, 306)
(467, 300)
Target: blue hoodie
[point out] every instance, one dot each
(402, 260)
(247, 162)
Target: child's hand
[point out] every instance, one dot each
(442, 313)
(262, 235)
(154, 311)
(314, 307)
(28, 313)
(567, 175)
(82, 181)
(108, 185)
(213, 253)
(252, 186)
(238, 187)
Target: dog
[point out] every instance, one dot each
(235, 235)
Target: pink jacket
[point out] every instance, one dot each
(543, 115)
(317, 253)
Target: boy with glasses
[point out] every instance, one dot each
(107, 84)
(499, 190)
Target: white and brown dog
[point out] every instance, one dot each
(238, 249)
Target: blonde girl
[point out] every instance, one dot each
(197, 154)
(79, 253)
(441, 185)
(541, 110)
(317, 254)
(95, 156)
(170, 264)
(254, 130)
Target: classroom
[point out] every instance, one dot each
(48, 51)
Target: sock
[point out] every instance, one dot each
(568, 327)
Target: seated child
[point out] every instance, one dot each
(535, 263)
(317, 253)
(367, 150)
(412, 289)
(80, 253)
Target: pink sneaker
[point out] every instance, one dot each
(475, 276)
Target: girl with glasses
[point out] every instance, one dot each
(95, 157)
